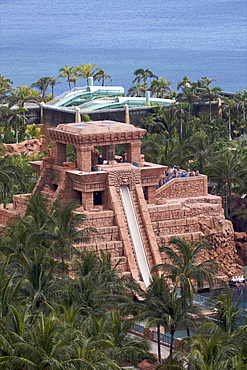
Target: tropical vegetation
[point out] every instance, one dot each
(59, 314)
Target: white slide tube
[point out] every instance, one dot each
(135, 234)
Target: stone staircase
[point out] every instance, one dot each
(48, 193)
(143, 233)
(182, 218)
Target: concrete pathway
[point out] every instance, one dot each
(165, 351)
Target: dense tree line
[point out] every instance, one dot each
(50, 319)
(63, 307)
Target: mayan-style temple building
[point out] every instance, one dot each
(121, 198)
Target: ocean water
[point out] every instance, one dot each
(172, 38)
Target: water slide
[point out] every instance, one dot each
(120, 102)
(78, 96)
(135, 234)
(102, 97)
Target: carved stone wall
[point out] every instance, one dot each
(197, 218)
(124, 176)
(219, 232)
(183, 188)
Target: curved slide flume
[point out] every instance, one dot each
(135, 234)
(78, 96)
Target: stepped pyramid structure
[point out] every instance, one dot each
(121, 199)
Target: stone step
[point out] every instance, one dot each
(189, 236)
(180, 226)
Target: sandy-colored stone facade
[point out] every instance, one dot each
(181, 207)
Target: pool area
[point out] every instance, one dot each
(165, 338)
(179, 334)
(236, 293)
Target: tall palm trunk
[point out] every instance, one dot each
(4, 195)
(172, 332)
(62, 258)
(159, 345)
(225, 200)
(229, 126)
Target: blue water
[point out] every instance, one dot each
(173, 38)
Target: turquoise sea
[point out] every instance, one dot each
(173, 38)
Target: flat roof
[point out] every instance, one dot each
(96, 132)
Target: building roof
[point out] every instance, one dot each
(96, 132)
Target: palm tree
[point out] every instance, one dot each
(53, 82)
(185, 269)
(138, 90)
(242, 102)
(24, 94)
(87, 70)
(74, 79)
(38, 280)
(210, 95)
(198, 148)
(182, 113)
(224, 170)
(126, 347)
(160, 87)
(20, 97)
(44, 347)
(37, 209)
(210, 349)
(143, 74)
(98, 287)
(228, 107)
(33, 131)
(68, 73)
(189, 95)
(19, 121)
(8, 171)
(151, 309)
(157, 148)
(64, 225)
(14, 240)
(185, 82)
(163, 306)
(5, 86)
(205, 81)
(100, 75)
(19, 319)
(228, 313)
(42, 85)
(9, 286)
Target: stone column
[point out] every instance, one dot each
(134, 151)
(59, 153)
(42, 112)
(84, 158)
(87, 201)
(108, 152)
(151, 194)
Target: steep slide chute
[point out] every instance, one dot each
(135, 234)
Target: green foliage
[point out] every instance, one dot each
(71, 153)
(86, 118)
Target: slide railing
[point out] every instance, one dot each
(135, 234)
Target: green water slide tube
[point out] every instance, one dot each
(81, 95)
(120, 102)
